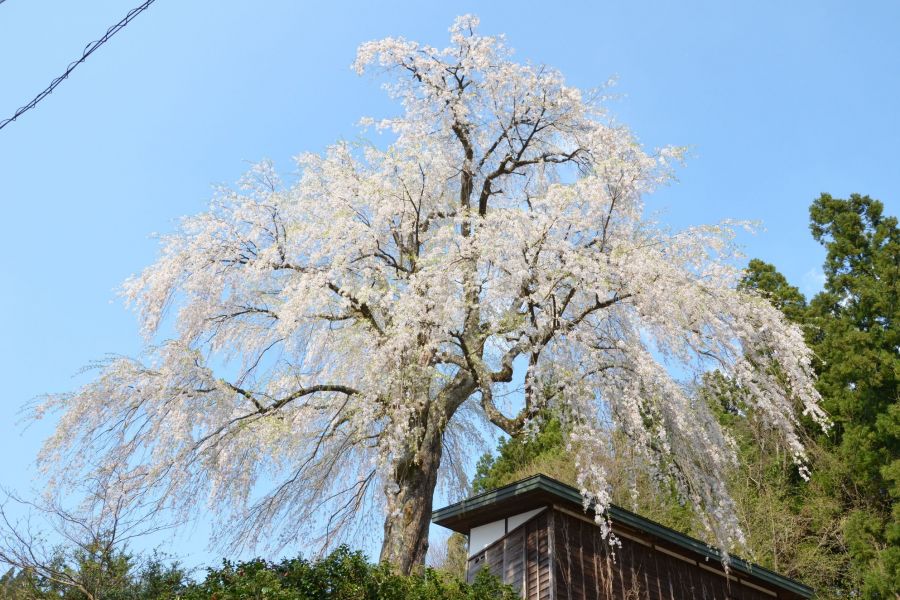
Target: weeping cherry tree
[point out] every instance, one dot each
(334, 340)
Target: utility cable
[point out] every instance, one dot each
(88, 50)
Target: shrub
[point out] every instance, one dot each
(343, 575)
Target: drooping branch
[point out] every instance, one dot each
(376, 282)
(300, 393)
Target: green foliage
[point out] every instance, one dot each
(518, 457)
(456, 560)
(766, 279)
(857, 337)
(852, 327)
(791, 526)
(343, 575)
(102, 571)
(98, 573)
(16, 585)
(158, 579)
(545, 451)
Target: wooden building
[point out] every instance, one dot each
(535, 535)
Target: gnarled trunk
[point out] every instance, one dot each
(409, 503)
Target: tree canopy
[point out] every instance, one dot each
(335, 336)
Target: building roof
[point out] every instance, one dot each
(540, 490)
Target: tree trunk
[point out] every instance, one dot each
(409, 503)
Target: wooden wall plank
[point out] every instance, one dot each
(558, 556)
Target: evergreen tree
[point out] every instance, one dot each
(543, 450)
(852, 327)
(857, 339)
(765, 279)
(16, 584)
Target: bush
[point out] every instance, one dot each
(343, 575)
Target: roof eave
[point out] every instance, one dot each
(464, 515)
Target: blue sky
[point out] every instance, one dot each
(778, 101)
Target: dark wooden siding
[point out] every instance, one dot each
(587, 567)
(521, 558)
(558, 556)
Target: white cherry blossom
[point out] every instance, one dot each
(339, 337)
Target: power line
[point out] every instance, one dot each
(88, 50)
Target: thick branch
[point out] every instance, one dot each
(313, 389)
(534, 346)
(361, 307)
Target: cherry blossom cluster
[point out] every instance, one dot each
(340, 335)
